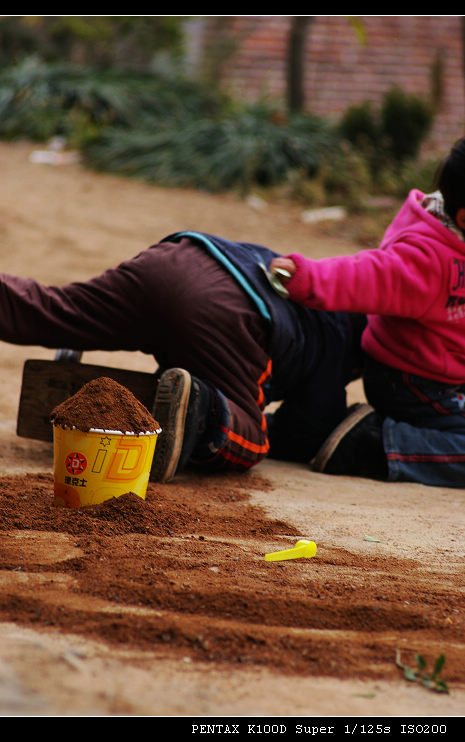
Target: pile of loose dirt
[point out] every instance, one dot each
(105, 405)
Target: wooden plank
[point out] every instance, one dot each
(45, 384)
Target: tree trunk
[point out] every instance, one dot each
(296, 62)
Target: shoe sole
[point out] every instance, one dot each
(320, 460)
(170, 410)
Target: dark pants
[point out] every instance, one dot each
(424, 425)
(315, 406)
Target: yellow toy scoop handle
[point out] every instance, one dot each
(303, 548)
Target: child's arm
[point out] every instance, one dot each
(402, 280)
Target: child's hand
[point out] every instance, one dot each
(285, 264)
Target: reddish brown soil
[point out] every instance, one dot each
(106, 405)
(193, 553)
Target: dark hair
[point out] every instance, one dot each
(450, 179)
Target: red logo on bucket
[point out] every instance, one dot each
(75, 463)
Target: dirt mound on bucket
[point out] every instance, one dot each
(105, 405)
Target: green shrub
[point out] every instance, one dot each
(171, 131)
(395, 131)
(247, 146)
(103, 41)
(347, 177)
(397, 180)
(179, 132)
(39, 100)
(360, 127)
(405, 120)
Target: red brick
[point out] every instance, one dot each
(340, 70)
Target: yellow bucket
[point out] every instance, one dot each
(95, 466)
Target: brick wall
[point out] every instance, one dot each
(342, 67)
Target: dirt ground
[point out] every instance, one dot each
(166, 607)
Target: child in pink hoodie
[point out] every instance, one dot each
(412, 289)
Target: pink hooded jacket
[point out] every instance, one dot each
(412, 288)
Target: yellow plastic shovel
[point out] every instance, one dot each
(303, 548)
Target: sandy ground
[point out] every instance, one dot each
(181, 616)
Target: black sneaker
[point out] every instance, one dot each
(355, 447)
(186, 409)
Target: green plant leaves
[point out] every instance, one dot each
(431, 681)
(172, 131)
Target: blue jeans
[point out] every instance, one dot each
(423, 428)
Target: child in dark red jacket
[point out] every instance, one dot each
(226, 345)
